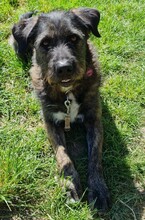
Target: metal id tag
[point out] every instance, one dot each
(67, 104)
(67, 123)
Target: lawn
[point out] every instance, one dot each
(29, 180)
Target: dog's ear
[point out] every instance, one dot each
(24, 34)
(90, 18)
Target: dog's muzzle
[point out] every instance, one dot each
(64, 71)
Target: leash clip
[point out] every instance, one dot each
(67, 104)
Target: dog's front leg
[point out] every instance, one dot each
(98, 193)
(66, 167)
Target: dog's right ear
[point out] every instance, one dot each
(24, 35)
(90, 18)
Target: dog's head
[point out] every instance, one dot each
(58, 42)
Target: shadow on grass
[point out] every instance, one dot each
(6, 214)
(127, 201)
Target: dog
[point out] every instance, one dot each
(66, 77)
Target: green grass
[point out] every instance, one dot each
(29, 180)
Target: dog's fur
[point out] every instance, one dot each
(65, 67)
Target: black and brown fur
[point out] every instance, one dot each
(58, 44)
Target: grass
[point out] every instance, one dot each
(29, 186)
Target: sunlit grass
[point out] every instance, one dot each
(29, 180)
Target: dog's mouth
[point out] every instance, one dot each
(66, 82)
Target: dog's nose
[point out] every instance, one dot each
(64, 68)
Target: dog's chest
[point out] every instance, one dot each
(73, 110)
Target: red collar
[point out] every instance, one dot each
(89, 72)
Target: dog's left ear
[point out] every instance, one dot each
(90, 18)
(23, 33)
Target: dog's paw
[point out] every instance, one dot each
(72, 192)
(72, 189)
(99, 198)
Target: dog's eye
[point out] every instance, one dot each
(73, 38)
(45, 44)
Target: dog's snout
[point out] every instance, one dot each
(64, 68)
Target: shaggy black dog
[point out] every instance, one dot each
(66, 77)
